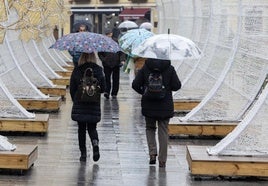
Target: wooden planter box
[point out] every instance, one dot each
(22, 158)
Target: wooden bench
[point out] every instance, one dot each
(64, 73)
(59, 90)
(61, 81)
(22, 158)
(200, 128)
(181, 105)
(69, 63)
(70, 67)
(38, 124)
(201, 163)
(51, 104)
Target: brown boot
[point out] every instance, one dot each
(162, 164)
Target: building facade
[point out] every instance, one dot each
(100, 15)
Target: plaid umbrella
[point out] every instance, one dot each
(87, 42)
(133, 38)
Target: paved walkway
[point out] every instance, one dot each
(123, 149)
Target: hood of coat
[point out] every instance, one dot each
(157, 64)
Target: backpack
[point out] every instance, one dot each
(89, 89)
(155, 89)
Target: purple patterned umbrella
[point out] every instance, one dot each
(87, 42)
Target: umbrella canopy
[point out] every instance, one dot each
(86, 42)
(168, 47)
(128, 25)
(146, 25)
(133, 38)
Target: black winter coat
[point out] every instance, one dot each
(158, 109)
(84, 112)
(111, 60)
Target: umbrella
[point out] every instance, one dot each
(133, 38)
(146, 25)
(128, 25)
(168, 47)
(86, 42)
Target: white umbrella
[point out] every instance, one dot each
(168, 47)
(128, 25)
(146, 25)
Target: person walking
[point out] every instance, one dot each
(111, 63)
(87, 115)
(76, 55)
(157, 112)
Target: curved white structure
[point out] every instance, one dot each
(250, 136)
(55, 54)
(46, 56)
(35, 74)
(14, 78)
(39, 60)
(238, 38)
(10, 108)
(63, 54)
(226, 79)
(29, 67)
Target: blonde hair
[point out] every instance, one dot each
(86, 58)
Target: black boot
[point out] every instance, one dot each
(83, 156)
(96, 153)
(152, 159)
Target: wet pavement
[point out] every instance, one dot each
(123, 149)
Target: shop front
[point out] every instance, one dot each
(96, 19)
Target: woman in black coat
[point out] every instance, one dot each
(157, 110)
(87, 115)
